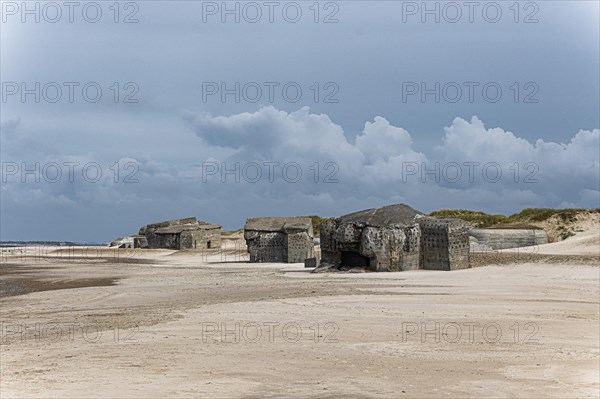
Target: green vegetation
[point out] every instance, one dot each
(473, 218)
(541, 214)
(565, 232)
(522, 219)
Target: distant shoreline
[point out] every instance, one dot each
(11, 244)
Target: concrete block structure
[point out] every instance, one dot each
(276, 239)
(186, 233)
(444, 244)
(494, 239)
(393, 238)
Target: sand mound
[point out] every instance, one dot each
(560, 227)
(576, 235)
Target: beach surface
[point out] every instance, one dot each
(90, 322)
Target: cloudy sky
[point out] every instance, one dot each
(113, 117)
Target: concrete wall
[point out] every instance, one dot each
(300, 246)
(411, 250)
(329, 250)
(200, 239)
(383, 247)
(212, 237)
(444, 244)
(494, 239)
(266, 246)
(168, 241)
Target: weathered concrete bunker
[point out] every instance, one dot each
(494, 239)
(384, 239)
(393, 238)
(186, 233)
(444, 243)
(279, 239)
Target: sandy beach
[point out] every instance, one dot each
(160, 323)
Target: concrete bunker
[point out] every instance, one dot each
(495, 239)
(279, 239)
(187, 233)
(393, 238)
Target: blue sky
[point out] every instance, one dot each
(334, 91)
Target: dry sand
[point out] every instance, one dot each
(157, 323)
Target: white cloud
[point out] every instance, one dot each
(379, 161)
(471, 141)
